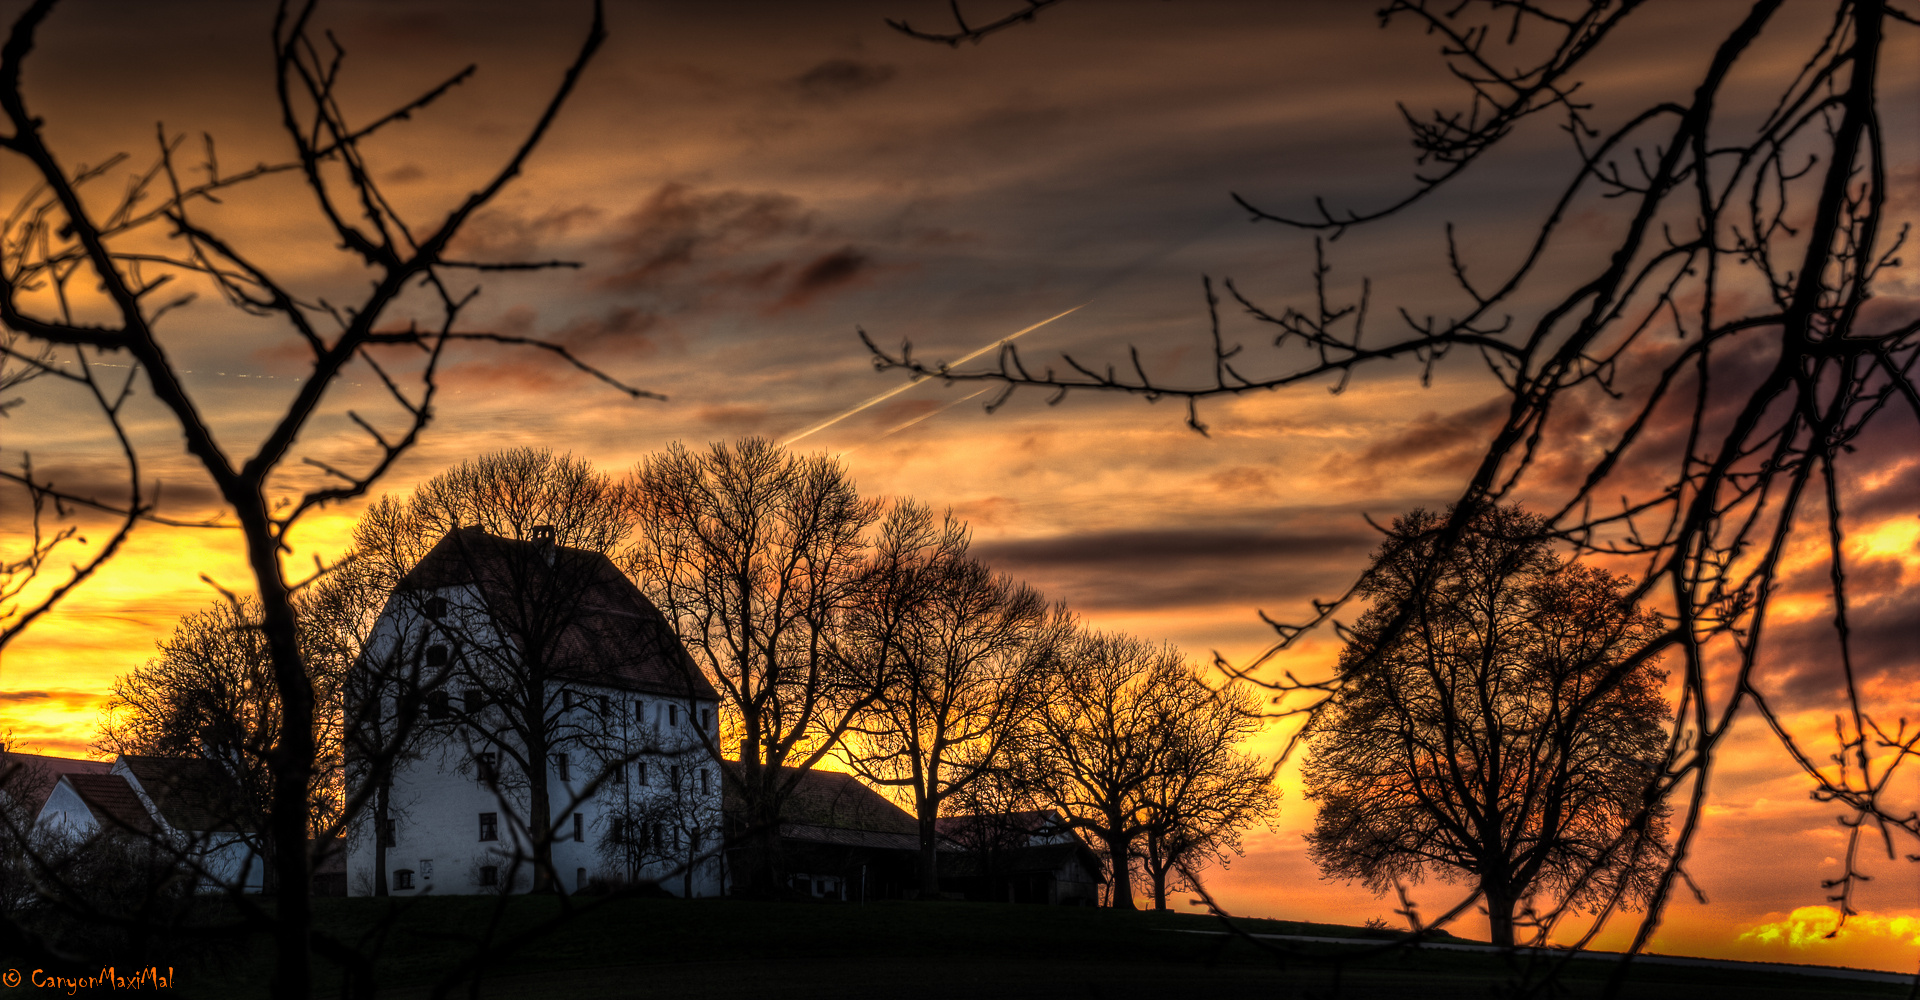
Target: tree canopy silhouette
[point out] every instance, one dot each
(1508, 734)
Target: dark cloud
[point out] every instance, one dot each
(627, 325)
(1803, 668)
(678, 228)
(837, 78)
(824, 274)
(24, 695)
(107, 484)
(1182, 568)
(498, 235)
(1431, 443)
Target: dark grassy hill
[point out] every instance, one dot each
(792, 951)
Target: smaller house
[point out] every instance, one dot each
(189, 802)
(839, 839)
(1021, 857)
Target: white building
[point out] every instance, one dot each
(184, 805)
(490, 645)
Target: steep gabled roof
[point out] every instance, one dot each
(113, 802)
(192, 794)
(29, 777)
(608, 632)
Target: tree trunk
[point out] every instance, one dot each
(929, 856)
(1119, 851)
(539, 811)
(291, 765)
(380, 815)
(1499, 916)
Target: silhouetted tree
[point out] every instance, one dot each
(210, 694)
(1723, 338)
(1508, 736)
(1206, 791)
(757, 558)
(1117, 722)
(966, 651)
(84, 277)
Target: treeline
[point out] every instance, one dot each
(836, 629)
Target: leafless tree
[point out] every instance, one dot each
(1729, 340)
(1207, 790)
(67, 236)
(966, 651)
(1509, 736)
(757, 556)
(210, 694)
(1113, 724)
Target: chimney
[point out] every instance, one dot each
(543, 534)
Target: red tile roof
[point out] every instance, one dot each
(29, 777)
(192, 794)
(112, 801)
(602, 629)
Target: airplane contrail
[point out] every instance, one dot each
(897, 428)
(897, 390)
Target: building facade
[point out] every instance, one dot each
(501, 663)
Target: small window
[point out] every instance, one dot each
(403, 878)
(476, 700)
(436, 656)
(703, 781)
(485, 767)
(489, 828)
(673, 776)
(426, 869)
(566, 699)
(640, 771)
(579, 828)
(435, 608)
(639, 711)
(387, 838)
(489, 875)
(617, 771)
(600, 702)
(560, 767)
(656, 841)
(579, 879)
(439, 705)
(706, 718)
(617, 830)
(673, 715)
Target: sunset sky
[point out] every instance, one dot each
(747, 183)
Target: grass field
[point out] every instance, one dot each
(789, 951)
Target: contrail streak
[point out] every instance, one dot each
(897, 428)
(897, 390)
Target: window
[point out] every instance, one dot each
(640, 711)
(579, 828)
(426, 869)
(703, 781)
(476, 700)
(403, 878)
(673, 776)
(438, 705)
(435, 608)
(617, 830)
(489, 828)
(489, 875)
(485, 769)
(640, 771)
(673, 715)
(436, 656)
(387, 838)
(600, 702)
(579, 879)
(656, 841)
(566, 699)
(706, 718)
(618, 772)
(560, 767)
